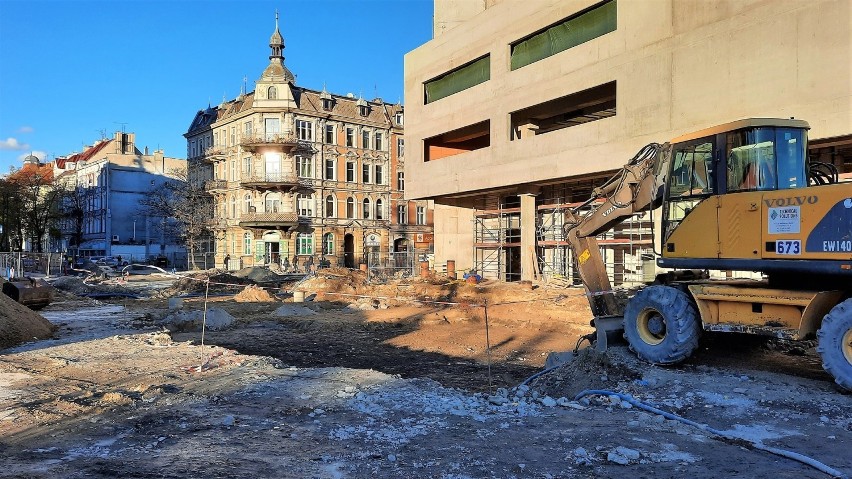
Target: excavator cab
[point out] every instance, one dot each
(745, 158)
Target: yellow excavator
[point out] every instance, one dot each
(739, 197)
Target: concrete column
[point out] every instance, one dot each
(527, 237)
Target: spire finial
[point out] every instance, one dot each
(276, 19)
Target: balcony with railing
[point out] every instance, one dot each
(282, 141)
(214, 154)
(274, 181)
(217, 224)
(269, 221)
(215, 186)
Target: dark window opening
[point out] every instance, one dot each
(458, 141)
(575, 109)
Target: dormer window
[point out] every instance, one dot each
(398, 119)
(272, 93)
(327, 104)
(363, 110)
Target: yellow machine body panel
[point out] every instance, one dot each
(808, 223)
(697, 235)
(739, 225)
(755, 308)
(797, 224)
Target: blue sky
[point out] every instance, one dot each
(71, 71)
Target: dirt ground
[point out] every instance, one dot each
(394, 380)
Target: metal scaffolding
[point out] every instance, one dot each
(627, 249)
(496, 233)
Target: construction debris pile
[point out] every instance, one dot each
(589, 369)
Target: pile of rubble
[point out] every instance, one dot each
(196, 283)
(589, 369)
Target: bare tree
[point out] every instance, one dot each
(39, 197)
(11, 216)
(188, 205)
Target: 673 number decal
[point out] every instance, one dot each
(788, 247)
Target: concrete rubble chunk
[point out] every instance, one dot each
(622, 455)
(216, 319)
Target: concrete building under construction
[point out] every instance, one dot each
(516, 110)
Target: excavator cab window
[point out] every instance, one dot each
(692, 171)
(765, 159)
(691, 181)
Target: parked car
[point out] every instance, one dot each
(111, 261)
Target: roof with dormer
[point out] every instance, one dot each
(308, 102)
(84, 155)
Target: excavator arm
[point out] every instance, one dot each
(639, 186)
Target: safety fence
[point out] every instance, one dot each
(19, 264)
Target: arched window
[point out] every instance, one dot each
(328, 243)
(247, 204)
(366, 208)
(380, 215)
(247, 243)
(272, 93)
(329, 206)
(273, 202)
(350, 207)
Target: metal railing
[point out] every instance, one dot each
(211, 185)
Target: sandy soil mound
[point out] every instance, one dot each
(589, 369)
(253, 294)
(19, 324)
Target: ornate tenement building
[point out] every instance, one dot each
(304, 173)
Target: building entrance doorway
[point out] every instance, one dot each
(272, 253)
(349, 251)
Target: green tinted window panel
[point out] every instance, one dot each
(574, 31)
(459, 79)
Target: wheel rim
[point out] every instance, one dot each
(847, 346)
(652, 327)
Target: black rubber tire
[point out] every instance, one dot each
(671, 308)
(836, 352)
